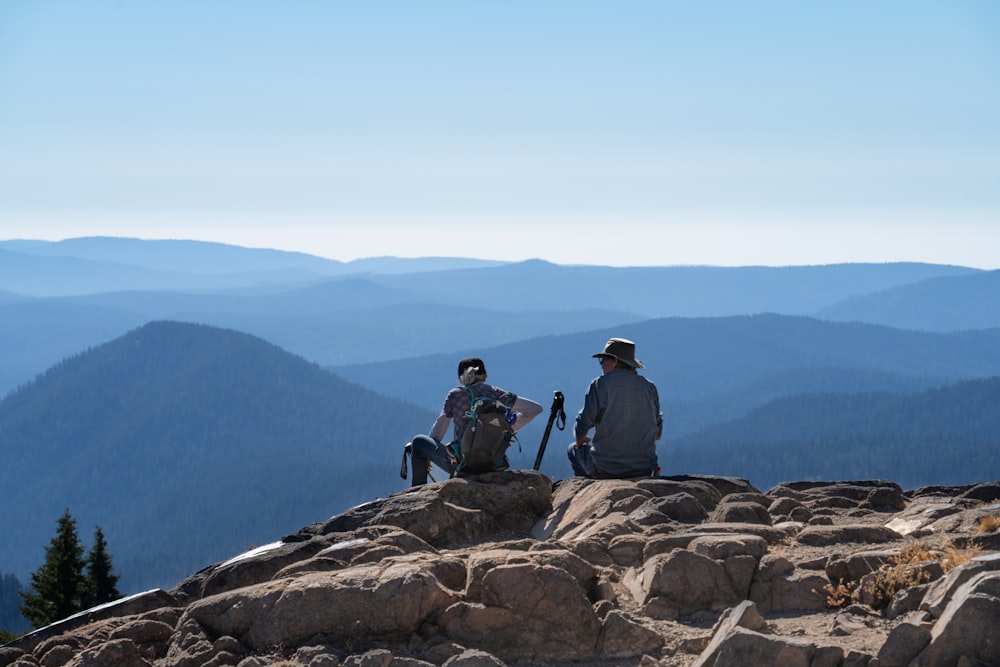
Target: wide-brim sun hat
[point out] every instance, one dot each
(621, 349)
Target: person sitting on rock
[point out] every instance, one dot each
(623, 408)
(431, 448)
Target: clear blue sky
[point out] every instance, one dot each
(625, 132)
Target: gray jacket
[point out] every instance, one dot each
(624, 409)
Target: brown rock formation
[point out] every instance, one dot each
(508, 568)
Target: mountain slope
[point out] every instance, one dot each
(198, 257)
(950, 303)
(335, 322)
(37, 333)
(946, 435)
(185, 443)
(707, 370)
(695, 358)
(89, 265)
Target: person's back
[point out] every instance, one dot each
(432, 448)
(624, 442)
(623, 408)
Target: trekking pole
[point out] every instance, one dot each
(557, 410)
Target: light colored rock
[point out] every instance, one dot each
(903, 644)
(113, 653)
(689, 581)
(682, 507)
(368, 601)
(374, 658)
(940, 592)
(721, 547)
(922, 512)
(796, 591)
(850, 568)
(741, 512)
(969, 626)
(579, 505)
(450, 572)
(480, 563)
(740, 570)
(623, 635)
(456, 511)
(822, 536)
(743, 615)
(528, 612)
(746, 648)
(473, 658)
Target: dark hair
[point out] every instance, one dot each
(472, 362)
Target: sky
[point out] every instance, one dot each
(631, 132)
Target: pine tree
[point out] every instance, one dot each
(101, 582)
(57, 585)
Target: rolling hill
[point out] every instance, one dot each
(708, 370)
(401, 308)
(948, 303)
(671, 291)
(946, 435)
(92, 265)
(186, 443)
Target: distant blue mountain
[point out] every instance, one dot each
(55, 275)
(947, 303)
(939, 436)
(197, 257)
(186, 444)
(673, 291)
(708, 370)
(101, 264)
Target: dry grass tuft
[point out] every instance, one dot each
(839, 596)
(988, 524)
(915, 552)
(955, 556)
(903, 571)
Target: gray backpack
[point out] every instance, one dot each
(488, 433)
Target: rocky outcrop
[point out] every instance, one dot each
(511, 569)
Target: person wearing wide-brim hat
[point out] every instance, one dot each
(623, 408)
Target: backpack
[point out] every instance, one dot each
(488, 433)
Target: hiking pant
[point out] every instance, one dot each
(582, 460)
(425, 450)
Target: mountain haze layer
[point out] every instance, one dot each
(323, 309)
(195, 399)
(713, 369)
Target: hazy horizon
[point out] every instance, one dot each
(633, 133)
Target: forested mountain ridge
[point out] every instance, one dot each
(320, 308)
(946, 303)
(942, 436)
(670, 291)
(187, 443)
(91, 265)
(714, 369)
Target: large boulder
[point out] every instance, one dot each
(361, 603)
(528, 612)
(969, 627)
(455, 512)
(682, 582)
(506, 568)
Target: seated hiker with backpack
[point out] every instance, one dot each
(483, 420)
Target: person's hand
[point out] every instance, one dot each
(581, 441)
